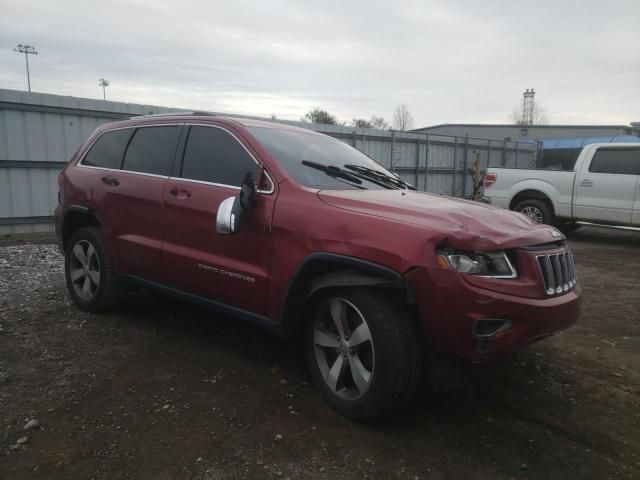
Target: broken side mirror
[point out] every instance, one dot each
(247, 193)
(232, 209)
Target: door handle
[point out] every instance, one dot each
(110, 181)
(180, 192)
(586, 183)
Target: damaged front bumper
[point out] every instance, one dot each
(479, 324)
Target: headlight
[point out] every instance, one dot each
(487, 264)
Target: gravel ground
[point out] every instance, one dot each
(160, 389)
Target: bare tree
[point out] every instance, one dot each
(402, 119)
(317, 115)
(374, 122)
(361, 123)
(539, 116)
(379, 122)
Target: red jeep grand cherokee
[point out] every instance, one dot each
(308, 237)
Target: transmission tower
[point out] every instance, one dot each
(528, 106)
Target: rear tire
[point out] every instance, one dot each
(371, 365)
(538, 210)
(91, 281)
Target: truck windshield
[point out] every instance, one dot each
(319, 161)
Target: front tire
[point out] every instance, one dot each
(91, 281)
(362, 350)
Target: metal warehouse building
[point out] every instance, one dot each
(40, 132)
(530, 132)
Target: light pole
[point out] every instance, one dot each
(104, 84)
(27, 50)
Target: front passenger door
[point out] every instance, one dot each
(230, 269)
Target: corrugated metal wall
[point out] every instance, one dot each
(40, 132)
(527, 133)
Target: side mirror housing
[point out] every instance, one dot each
(227, 221)
(232, 209)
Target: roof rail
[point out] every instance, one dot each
(198, 113)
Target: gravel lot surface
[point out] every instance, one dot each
(160, 389)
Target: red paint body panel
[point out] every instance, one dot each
(130, 211)
(455, 304)
(193, 250)
(171, 238)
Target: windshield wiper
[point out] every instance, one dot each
(335, 172)
(373, 175)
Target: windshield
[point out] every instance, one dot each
(313, 160)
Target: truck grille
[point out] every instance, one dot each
(558, 272)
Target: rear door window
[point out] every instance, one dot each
(152, 150)
(108, 149)
(214, 155)
(624, 161)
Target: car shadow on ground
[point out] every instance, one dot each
(512, 403)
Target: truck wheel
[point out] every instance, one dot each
(91, 281)
(362, 349)
(537, 210)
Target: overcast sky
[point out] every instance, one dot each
(449, 61)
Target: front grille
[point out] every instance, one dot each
(558, 272)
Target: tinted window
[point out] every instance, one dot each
(559, 158)
(290, 148)
(213, 155)
(151, 150)
(107, 151)
(625, 161)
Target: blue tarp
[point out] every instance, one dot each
(581, 142)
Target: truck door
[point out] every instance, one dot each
(605, 189)
(635, 218)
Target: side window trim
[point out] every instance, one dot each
(124, 154)
(176, 168)
(183, 147)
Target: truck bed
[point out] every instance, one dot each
(556, 184)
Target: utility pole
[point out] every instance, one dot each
(104, 84)
(27, 50)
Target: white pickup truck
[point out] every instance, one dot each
(603, 189)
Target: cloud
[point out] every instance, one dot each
(462, 61)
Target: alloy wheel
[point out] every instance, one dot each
(344, 348)
(84, 270)
(533, 212)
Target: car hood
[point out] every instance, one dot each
(460, 223)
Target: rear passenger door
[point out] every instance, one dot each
(230, 269)
(133, 200)
(606, 189)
